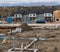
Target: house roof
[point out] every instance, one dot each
(24, 12)
(48, 11)
(32, 11)
(19, 12)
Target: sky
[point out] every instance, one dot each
(26, 1)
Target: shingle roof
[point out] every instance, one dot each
(33, 11)
(28, 11)
(48, 11)
(19, 12)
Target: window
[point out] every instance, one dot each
(57, 19)
(18, 15)
(45, 14)
(32, 15)
(50, 14)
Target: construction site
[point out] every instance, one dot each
(29, 37)
(29, 26)
(40, 36)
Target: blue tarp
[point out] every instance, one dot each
(40, 21)
(9, 19)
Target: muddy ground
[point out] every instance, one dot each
(50, 45)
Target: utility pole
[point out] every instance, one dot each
(2, 19)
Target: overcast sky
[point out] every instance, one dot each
(26, 1)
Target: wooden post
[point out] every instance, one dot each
(11, 30)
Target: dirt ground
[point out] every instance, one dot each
(50, 45)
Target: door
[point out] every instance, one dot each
(48, 19)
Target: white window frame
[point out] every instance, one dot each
(32, 15)
(51, 14)
(18, 16)
(47, 14)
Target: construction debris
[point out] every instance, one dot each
(5, 41)
(1, 50)
(25, 27)
(56, 50)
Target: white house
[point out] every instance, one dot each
(48, 16)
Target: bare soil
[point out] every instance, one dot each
(50, 45)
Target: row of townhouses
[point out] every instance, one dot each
(30, 16)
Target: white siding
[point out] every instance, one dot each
(18, 15)
(47, 14)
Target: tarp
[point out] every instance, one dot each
(9, 19)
